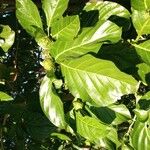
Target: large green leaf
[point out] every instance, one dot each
(105, 9)
(87, 41)
(141, 22)
(51, 103)
(28, 16)
(66, 28)
(143, 50)
(140, 135)
(7, 37)
(54, 9)
(97, 81)
(90, 128)
(5, 97)
(140, 4)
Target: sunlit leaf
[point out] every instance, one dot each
(51, 103)
(5, 97)
(28, 16)
(54, 9)
(141, 22)
(90, 128)
(106, 9)
(143, 50)
(88, 41)
(66, 28)
(144, 72)
(96, 81)
(140, 4)
(140, 135)
(61, 136)
(7, 37)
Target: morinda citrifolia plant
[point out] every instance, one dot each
(96, 61)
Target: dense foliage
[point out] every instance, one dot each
(95, 87)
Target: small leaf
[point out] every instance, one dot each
(51, 103)
(7, 37)
(142, 115)
(28, 16)
(90, 128)
(144, 72)
(66, 28)
(61, 136)
(143, 50)
(54, 10)
(88, 41)
(5, 97)
(96, 81)
(141, 22)
(140, 135)
(144, 102)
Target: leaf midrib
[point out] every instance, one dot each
(79, 70)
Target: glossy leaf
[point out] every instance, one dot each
(90, 128)
(143, 50)
(144, 72)
(5, 97)
(7, 37)
(51, 103)
(141, 22)
(66, 28)
(142, 115)
(54, 9)
(140, 135)
(140, 4)
(96, 81)
(28, 16)
(105, 11)
(87, 41)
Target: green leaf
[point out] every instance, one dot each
(140, 4)
(66, 28)
(96, 81)
(141, 22)
(51, 103)
(144, 102)
(122, 113)
(113, 136)
(144, 72)
(143, 50)
(113, 114)
(7, 37)
(54, 10)
(5, 97)
(107, 9)
(88, 41)
(61, 136)
(28, 16)
(90, 128)
(140, 135)
(142, 115)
